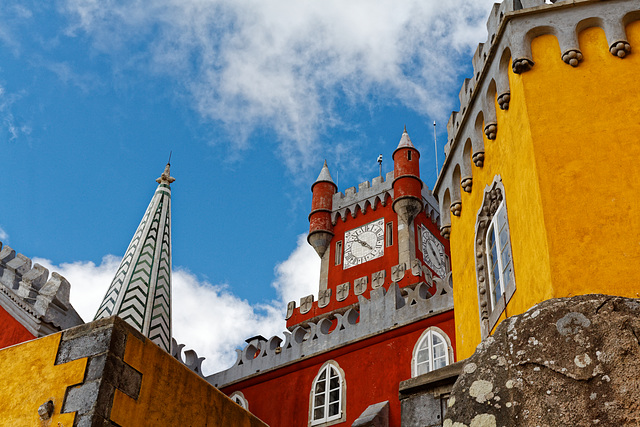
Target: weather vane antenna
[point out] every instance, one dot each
(170, 152)
(435, 142)
(380, 164)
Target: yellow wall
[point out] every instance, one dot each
(588, 163)
(568, 150)
(171, 395)
(29, 379)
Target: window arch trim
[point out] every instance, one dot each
(425, 335)
(327, 419)
(238, 397)
(490, 311)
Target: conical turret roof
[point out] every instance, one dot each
(405, 142)
(140, 292)
(324, 176)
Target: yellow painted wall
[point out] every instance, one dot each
(511, 156)
(171, 395)
(589, 162)
(568, 151)
(29, 379)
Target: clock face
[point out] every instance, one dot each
(433, 252)
(364, 243)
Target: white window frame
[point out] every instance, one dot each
(239, 398)
(327, 420)
(498, 224)
(492, 218)
(427, 338)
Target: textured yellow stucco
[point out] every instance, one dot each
(588, 163)
(30, 378)
(172, 395)
(567, 151)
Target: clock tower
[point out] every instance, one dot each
(382, 233)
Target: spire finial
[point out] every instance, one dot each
(405, 129)
(166, 177)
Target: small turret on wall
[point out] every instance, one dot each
(407, 189)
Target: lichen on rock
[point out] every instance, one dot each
(567, 361)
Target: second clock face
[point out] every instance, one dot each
(364, 243)
(433, 252)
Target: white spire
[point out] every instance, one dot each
(140, 292)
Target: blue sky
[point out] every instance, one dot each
(250, 96)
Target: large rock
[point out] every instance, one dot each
(565, 362)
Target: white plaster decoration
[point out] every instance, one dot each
(512, 25)
(324, 297)
(478, 159)
(490, 130)
(342, 291)
(305, 304)
(432, 351)
(416, 267)
(291, 306)
(360, 285)
(620, 48)
(39, 301)
(381, 311)
(503, 100)
(377, 279)
(397, 272)
(493, 297)
(466, 184)
(239, 398)
(327, 399)
(456, 208)
(572, 57)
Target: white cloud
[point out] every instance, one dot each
(207, 318)
(4, 237)
(285, 64)
(10, 123)
(298, 275)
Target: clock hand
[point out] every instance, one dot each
(363, 243)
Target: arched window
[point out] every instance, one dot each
(494, 263)
(328, 396)
(433, 351)
(239, 398)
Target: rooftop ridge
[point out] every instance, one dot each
(384, 309)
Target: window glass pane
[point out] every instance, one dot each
(436, 339)
(504, 237)
(334, 396)
(335, 383)
(334, 408)
(319, 400)
(439, 363)
(318, 414)
(323, 375)
(439, 351)
(320, 386)
(422, 368)
(423, 355)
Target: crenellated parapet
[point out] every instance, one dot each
(370, 195)
(512, 26)
(383, 310)
(39, 301)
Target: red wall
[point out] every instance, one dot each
(11, 331)
(373, 370)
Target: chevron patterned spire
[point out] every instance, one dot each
(140, 292)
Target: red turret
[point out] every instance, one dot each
(320, 225)
(407, 183)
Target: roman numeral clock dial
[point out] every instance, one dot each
(364, 243)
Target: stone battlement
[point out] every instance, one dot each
(39, 301)
(369, 195)
(512, 25)
(384, 310)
